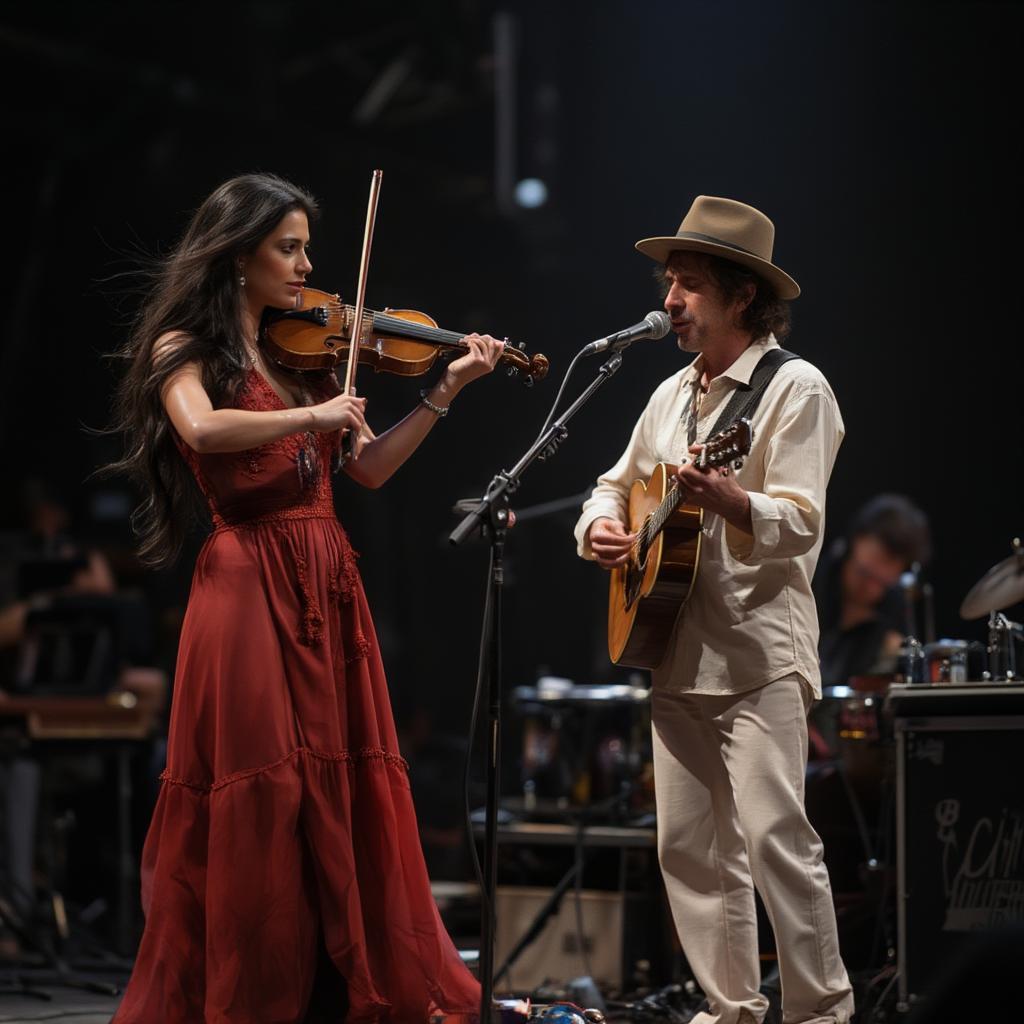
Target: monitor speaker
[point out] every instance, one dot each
(960, 841)
(556, 954)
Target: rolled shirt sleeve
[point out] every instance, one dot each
(786, 511)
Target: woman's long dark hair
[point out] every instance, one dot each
(195, 292)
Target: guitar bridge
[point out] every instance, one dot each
(634, 579)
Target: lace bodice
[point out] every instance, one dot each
(262, 483)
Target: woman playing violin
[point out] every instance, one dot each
(284, 833)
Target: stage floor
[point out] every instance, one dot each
(54, 1004)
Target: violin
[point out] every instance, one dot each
(317, 335)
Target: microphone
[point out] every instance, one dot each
(910, 584)
(654, 326)
(910, 580)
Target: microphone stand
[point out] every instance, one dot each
(491, 515)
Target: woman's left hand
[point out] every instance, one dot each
(483, 355)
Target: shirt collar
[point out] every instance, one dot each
(741, 370)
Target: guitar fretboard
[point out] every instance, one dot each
(715, 453)
(656, 521)
(661, 514)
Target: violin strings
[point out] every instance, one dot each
(423, 332)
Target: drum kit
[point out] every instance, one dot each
(587, 748)
(945, 661)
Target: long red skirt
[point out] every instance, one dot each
(285, 811)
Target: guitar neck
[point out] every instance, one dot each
(727, 445)
(660, 516)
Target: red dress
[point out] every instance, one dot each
(285, 810)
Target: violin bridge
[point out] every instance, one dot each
(348, 316)
(366, 334)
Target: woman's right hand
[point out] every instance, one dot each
(610, 542)
(343, 412)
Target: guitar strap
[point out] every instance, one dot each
(746, 398)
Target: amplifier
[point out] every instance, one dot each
(959, 833)
(555, 955)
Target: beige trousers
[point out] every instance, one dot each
(729, 784)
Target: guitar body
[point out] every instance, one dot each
(645, 598)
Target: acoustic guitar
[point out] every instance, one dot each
(647, 593)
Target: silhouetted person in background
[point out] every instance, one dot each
(861, 606)
(41, 563)
(45, 536)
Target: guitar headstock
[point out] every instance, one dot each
(729, 446)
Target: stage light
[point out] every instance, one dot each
(531, 193)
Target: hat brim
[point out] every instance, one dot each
(661, 248)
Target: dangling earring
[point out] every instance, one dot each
(241, 275)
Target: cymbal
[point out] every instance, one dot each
(1000, 587)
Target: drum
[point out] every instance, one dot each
(546, 771)
(586, 747)
(851, 712)
(846, 788)
(946, 661)
(850, 719)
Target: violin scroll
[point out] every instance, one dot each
(533, 368)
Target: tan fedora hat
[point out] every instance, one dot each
(732, 230)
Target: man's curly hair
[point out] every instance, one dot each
(766, 314)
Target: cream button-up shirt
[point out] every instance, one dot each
(751, 616)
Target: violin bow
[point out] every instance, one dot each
(356, 331)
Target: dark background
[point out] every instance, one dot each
(883, 139)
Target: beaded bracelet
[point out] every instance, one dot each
(437, 410)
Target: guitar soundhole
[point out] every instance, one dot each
(641, 560)
(632, 588)
(635, 576)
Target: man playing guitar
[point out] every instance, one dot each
(730, 696)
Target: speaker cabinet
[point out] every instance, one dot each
(959, 835)
(555, 954)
